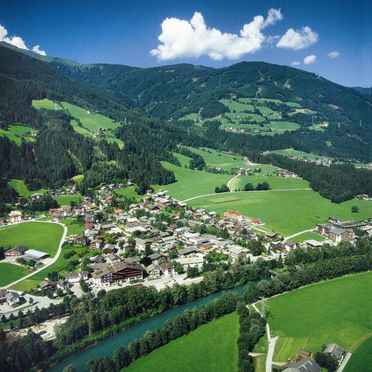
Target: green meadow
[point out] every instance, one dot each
(36, 235)
(361, 360)
(334, 311)
(22, 190)
(9, 273)
(67, 199)
(212, 347)
(85, 122)
(73, 227)
(286, 212)
(18, 133)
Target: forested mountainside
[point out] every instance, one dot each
(173, 92)
(155, 110)
(58, 152)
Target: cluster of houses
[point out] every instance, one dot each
(284, 173)
(305, 361)
(248, 171)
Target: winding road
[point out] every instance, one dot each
(51, 261)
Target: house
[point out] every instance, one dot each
(168, 269)
(187, 251)
(15, 216)
(233, 215)
(13, 298)
(191, 262)
(157, 256)
(235, 252)
(77, 276)
(313, 243)
(336, 351)
(154, 271)
(16, 251)
(271, 236)
(118, 273)
(304, 365)
(3, 293)
(47, 284)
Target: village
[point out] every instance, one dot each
(157, 241)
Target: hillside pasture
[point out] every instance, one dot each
(67, 199)
(334, 311)
(22, 190)
(36, 235)
(18, 133)
(210, 348)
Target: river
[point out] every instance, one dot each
(123, 338)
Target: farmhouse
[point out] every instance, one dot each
(118, 273)
(308, 365)
(312, 243)
(336, 351)
(35, 254)
(16, 251)
(15, 216)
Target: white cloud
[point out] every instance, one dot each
(310, 59)
(295, 63)
(298, 39)
(36, 49)
(333, 54)
(17, 41)
(193, 38)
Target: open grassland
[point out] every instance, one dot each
(286, 212)
(36, 235)
(212, 347)
(128, 192)
(218, 159)
(73, 227)
(184, 160)
(67, 199)
(334, 311)
(192, 182)
(18, 133)
(22, 190)
(9, 273)
(361, 360)
(276, 183)
(307, 236)
(63, 266)
(85, 122)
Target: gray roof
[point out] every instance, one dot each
(335, 350)
(305, 365)
(187, 250)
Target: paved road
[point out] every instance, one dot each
(344, 362)
(254, 191)
(50, 261)
(232, 179)
(271, 342)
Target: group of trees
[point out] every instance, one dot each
(260, 186)
(196, 162)
(251, 329)
(223, 188)
(171, 330)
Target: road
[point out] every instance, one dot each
(229, 183)
(250, 192)
(298, 233)
(344, 362)
(50, 261)
(271, 342)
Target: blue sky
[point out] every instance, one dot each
(124, 32)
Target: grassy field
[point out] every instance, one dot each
(128, 192)
(73, 228)
(67, 199)
(334, 311)
(37, 235)
(286, 212)
(361, 360)
(18, 133)
(276, 183)
(217, 159)
(9, 273)
(193, 182)
(307, 236)
(22, 190)
(85, 122)
(212, 347)
(62, 266)
(184, 160)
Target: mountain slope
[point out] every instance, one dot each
(171, 92)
